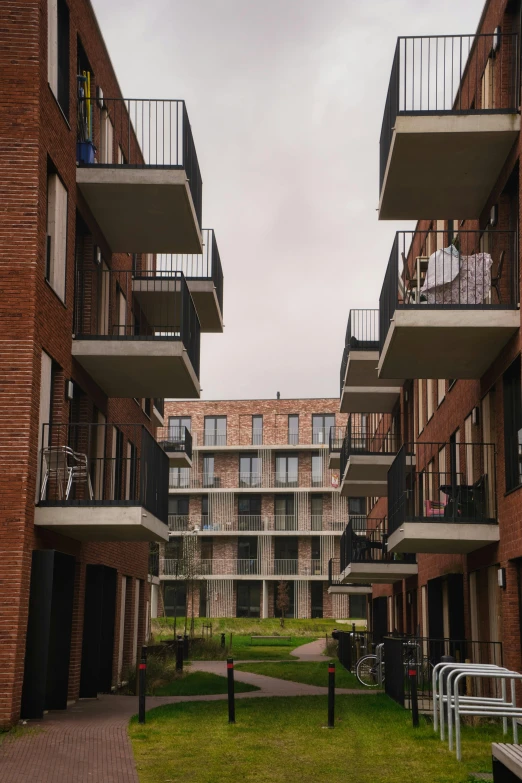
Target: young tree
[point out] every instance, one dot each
(283, 600)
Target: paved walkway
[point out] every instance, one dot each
(88, 743)
(313, 651)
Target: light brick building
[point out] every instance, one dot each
(93, 339)
(259, 504)
(437, 366)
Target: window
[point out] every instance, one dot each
(249, 471)
(56, 234)
(316, 590)
(441, 390)
(176, 424)
(209, 479)
(430, 391)
(204, 509)
(257, 430)
(215, 430)
(178, 512)
(293, 429)
(287, 470)
(316, 506)
(358, 607)
(247, 555)
(249, 512)
(321, 424)
(317, 469)
(285, 551)
(420, 403)
(179, 478)
(357, 513)
(513, 425)
(284, 512)
(106, 137)
(58, 51)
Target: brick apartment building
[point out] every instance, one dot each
(254, 503)
(435, 370)
(107, 280)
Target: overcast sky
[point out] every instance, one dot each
(285, 99)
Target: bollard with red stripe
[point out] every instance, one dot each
(142, 685)
(231, 704)
(412, 673)
(331, 694)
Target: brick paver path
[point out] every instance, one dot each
(88, 743)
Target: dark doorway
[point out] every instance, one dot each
(379, 619)
(49, 628)
(98, 631)
(248, 599)
(175, 599)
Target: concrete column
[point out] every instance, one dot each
(264, 604)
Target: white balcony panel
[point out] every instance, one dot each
(102, 523)
(442, 537)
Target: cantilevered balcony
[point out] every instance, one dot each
(242, 568)
(335, 444)
(362, 391)
(139, 174)
(337, 587)
(102, 482)
(240, 481)
(281, 525)
(443, 501)
(134, 340)
(204, 276)
(368, 450)
(176, 442)
(450, 119)
(449, 303)
(365, 557)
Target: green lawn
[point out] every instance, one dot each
(244, 648)
(198, 684)
(309, 672)
(281, 740)
(162, 627)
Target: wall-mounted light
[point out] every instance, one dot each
(475, 416)
(69, 390)
(99, 97)
(501, 575)
(97, 255)
(493, 215)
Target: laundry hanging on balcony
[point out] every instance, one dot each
(455, 279)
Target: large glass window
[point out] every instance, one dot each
(284, 512)
(179, 478)
(358, 607)
(176, 424)
(317, 469)
(56, 250)
(321, 423)
(58, 51)
(513, 425)
(257, 430)
(249, 512)
(316, 505)
(215, 430)
(248, 599)
(317, 599)
(293, 429)
(357, 513)
(287, 470)
(249, 470)
(209, 477)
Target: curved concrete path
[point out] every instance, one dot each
(312, 651)
(89, 743)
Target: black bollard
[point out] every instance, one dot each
(142, 685)
(179, 654)
(185, 647)
(331, 694)
(231, 705)
(414, 698)
(223, 640)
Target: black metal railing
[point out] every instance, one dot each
(418, 654)
(139, 133)
(439, 270)
(121, 305)
(442, 482)
(352, 645)
(362, 334)
(103, 465)
(369, 545)
(336, 438)
(450, 74)
(175, 439)
(369, 434)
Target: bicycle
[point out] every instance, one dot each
(370, 669)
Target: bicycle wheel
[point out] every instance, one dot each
(366, 671)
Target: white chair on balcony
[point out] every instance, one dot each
(57, 466)
(80, 472)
